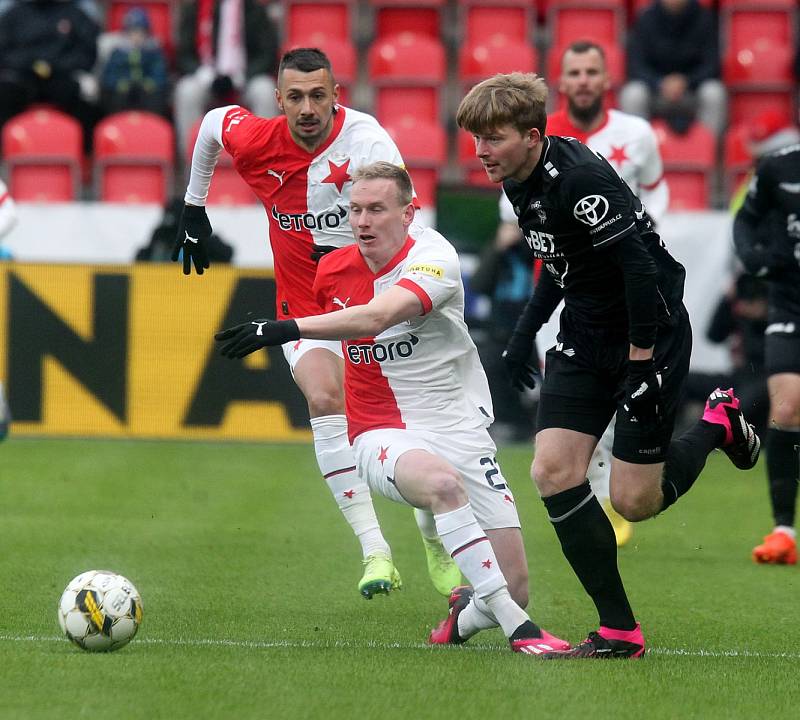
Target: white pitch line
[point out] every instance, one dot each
(370, 645)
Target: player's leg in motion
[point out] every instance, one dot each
(783, 469)
(426, 480)
(319, 374)
(599, 473)
(443, 572)
(587, 541)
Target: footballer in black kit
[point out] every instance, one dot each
(619, 284)
(766, 233)
(623, 346)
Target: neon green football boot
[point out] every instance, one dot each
(442, 569)
(380, 576)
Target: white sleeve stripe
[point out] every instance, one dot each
(608, 239)
(204, 157)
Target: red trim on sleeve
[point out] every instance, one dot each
(427, 305)
(650, 186)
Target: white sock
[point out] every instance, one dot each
(786, 529)
(475, 617)
(338, 466)
(426, 524)
(466, 542)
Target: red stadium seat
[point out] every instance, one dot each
(159, 11)
(760, 65)
(474, 174)
(42, 151)
(483, 19)
(689, 161)
(598, 20)
(134, 155)
(309, 18)
(407, 71)
(423, 146)
(422, 17)
(497, 54)
(747, 105)
(340, 52)
(737, 159)
(742, 26)
(227, 186)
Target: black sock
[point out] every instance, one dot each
(588, 542)
(783, 469)
(528, 629)
(686, 457)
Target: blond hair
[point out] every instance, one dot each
(517, 99)
(383, 170)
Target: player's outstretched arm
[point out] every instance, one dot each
(194, 229)
(394, 306)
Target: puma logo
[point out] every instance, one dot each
(340, 303)
(260, 325)
(190, 239)
(277, 175)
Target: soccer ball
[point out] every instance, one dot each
(100, 611)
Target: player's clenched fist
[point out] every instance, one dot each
(250, 336)
(194, 232)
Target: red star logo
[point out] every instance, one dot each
(349, 494)
(617, 155)
(487, 564)
(339, 175)
(297, 344)
(383, 455)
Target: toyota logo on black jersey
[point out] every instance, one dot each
(590, 209)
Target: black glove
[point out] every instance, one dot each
(317, 251)
(521, 360)
(643, 393)
(250, 336)
(194, 232)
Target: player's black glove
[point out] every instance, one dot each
(194, 233)
(521, 360)
(250, 336)
(643, 393)
(317, 251)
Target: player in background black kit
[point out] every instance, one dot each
(774, 196)
(623, 345)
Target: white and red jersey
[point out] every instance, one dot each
(420, 374)
(629, 143)
(306, 195)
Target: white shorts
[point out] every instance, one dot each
(295, 349)
(471, 452)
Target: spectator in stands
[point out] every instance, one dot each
(225, 47)
(505, 275)
(673, 66)
(135, 75)
(47, 52)
(159, 249)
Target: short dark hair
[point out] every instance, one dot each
(583, 46)
(305, 59)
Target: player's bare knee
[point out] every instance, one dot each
(551, 476)
(325, 401)
(784, 416)
(447, 490)
(634, 506)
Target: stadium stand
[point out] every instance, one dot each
(407, 72)
(482, 20)
(134, 158)
(495, 54)
(689, 164)
(306, 19)
(42, 154)
(393, 17)
(600, 20)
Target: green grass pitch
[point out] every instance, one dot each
(248, 577)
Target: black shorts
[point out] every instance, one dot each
(782, 346)
(584, 385)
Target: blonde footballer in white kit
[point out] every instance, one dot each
(629, 143)
(417, 399)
